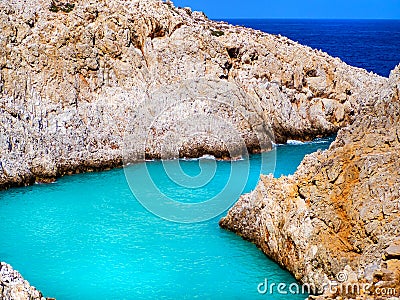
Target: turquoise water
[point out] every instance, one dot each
(86, 237)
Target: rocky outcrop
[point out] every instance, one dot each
(88, 84)
(85, 84)
(14, 287)
(337, 218)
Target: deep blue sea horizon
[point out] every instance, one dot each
(373, 45)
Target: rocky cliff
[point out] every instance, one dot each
(338, 217)
(14, 287)
(85, 84)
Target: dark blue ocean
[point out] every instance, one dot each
(370, 44)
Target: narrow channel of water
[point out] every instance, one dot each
(87, 237)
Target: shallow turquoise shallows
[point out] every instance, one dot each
(87, 237)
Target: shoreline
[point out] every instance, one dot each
(13, 286)
(319, 223)
(90, 167)
(309, 93)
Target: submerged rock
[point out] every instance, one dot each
(337, 218)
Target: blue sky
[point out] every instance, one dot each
(315, 9)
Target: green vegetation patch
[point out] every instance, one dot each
(217, 33)
(64, 7)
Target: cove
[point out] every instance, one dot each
(86, 237)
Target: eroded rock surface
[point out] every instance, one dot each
(14, 287)
(338, 216)
(79, 77)
(82, 83)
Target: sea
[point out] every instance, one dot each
(92, 236)
(373, 45)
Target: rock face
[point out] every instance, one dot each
(338, 217)
(86, 84)
(14, 287)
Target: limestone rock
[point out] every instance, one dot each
(14, 287)
(84, 82)
(340, 211)
(78, 78)
(393, 251)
